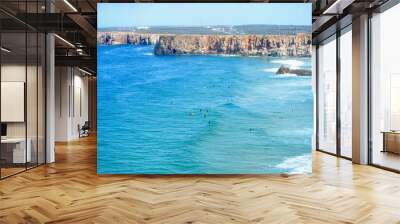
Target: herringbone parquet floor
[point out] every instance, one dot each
(70, 191)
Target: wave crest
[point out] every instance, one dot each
(274, 70)
(297, 165)
(290, 62)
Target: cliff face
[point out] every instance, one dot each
(112, 38)
(250, 45)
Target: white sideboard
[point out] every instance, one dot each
(19, 153)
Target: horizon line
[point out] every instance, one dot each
(255, 24)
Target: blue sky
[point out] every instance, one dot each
(200, 14)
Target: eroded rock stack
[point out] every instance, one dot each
(297, 71)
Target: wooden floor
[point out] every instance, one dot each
(5, 172)
(386, 159)
(70, 191)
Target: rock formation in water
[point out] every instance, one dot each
(300, 72)
(247, 45)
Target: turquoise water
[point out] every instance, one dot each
(201, 114)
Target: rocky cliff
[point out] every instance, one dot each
(112, 38)
(247, 45)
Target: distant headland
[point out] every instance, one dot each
(246, 40)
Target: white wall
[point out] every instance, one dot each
(14, 72)
(33, 127)
(17, 73)
(70, 83)
(79, 115)
(62, 83)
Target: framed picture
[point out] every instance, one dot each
(204, 88)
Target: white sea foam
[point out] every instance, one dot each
(271, 70)
(229, 55)
(297, 164)
(148, 54)
(285, 75)
(291, 63)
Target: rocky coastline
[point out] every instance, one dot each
(298, 45)
(116, 38)
(246, 45)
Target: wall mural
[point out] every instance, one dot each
(204, 88)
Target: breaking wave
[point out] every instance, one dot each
(291, 63)
(297, 164)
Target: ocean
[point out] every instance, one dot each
(201, 114)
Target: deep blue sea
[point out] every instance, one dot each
(201, 114)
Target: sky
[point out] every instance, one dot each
(202, 14)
